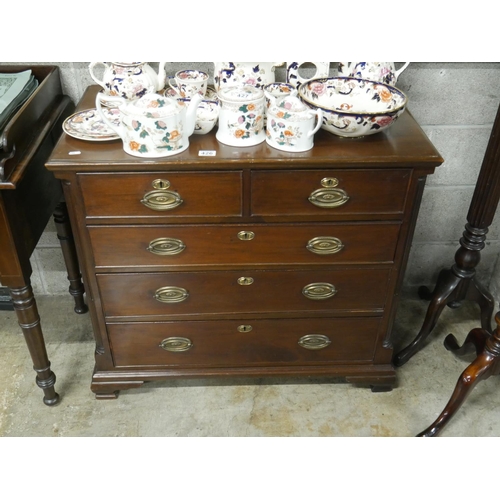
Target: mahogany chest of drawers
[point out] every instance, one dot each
(245, 261)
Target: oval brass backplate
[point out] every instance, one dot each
(314, 341)
(324, 245)
(166, 246)
(328, 197)
(176, 344)
(171, 294)
(162, 200)
(319, 291)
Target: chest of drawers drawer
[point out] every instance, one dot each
(333, 193)
(266, 244)
(181, 294)
(229, 343)
(155, 195)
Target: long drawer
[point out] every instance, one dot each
(178, 245)
(231, 292)
(329, 192)
(233, 343)
(172, 194)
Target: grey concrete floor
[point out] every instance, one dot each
(238, 407)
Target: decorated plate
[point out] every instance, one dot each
(88, 125)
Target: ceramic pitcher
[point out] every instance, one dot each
(257, 74)
(152, 126)
(384, 72)
(129, 80)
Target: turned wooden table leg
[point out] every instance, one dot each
(65, 235)
(29, 320)
(486, 364)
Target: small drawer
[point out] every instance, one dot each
(329, 193)
(180, 245)
(162, 194)
(235, 343)
(243, 291)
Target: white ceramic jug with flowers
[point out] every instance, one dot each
(152, 126)
(291, 124)
(384, 72)
(257, 74)
(129, 80)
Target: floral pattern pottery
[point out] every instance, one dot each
(189, 82)
(241, 116)
(353, 107)
(129, 80)
(291, 124)
(88, 125)
(293, 70)
(384, 72)
(276, 90)
(207, 115)
(230, 74)
(153, 126)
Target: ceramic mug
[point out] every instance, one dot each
(189, 82)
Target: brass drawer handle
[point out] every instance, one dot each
(171, 294)
(176, 344)
(166, 246)
(314, 341)
(246, 235)
(245, 328)
(328, 197)
(245, 281)
(319, 291)
(162, 200)
(323, 245)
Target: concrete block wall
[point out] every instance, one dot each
(455, 104)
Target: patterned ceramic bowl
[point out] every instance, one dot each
(353, 107)
(207, 115)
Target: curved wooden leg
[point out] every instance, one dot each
(29, 320)
(481, 368)
(445, 288)
(474, 341)
(479, 294)
(65, 236)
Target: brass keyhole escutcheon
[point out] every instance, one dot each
(245, 328)
(246, 235)
(160, 184)
(245, 281)
(329, 182)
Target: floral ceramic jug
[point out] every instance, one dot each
(129, 80)
(291, 124)
(152, 126)
(241, 116)
(230, 74)
(384, 72)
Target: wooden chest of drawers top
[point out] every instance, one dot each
(403, 145)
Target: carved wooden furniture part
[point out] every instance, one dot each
(29, 196)
(250, 262)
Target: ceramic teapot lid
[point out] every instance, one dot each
(291, 107)
(242, 94)
(154, 106)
